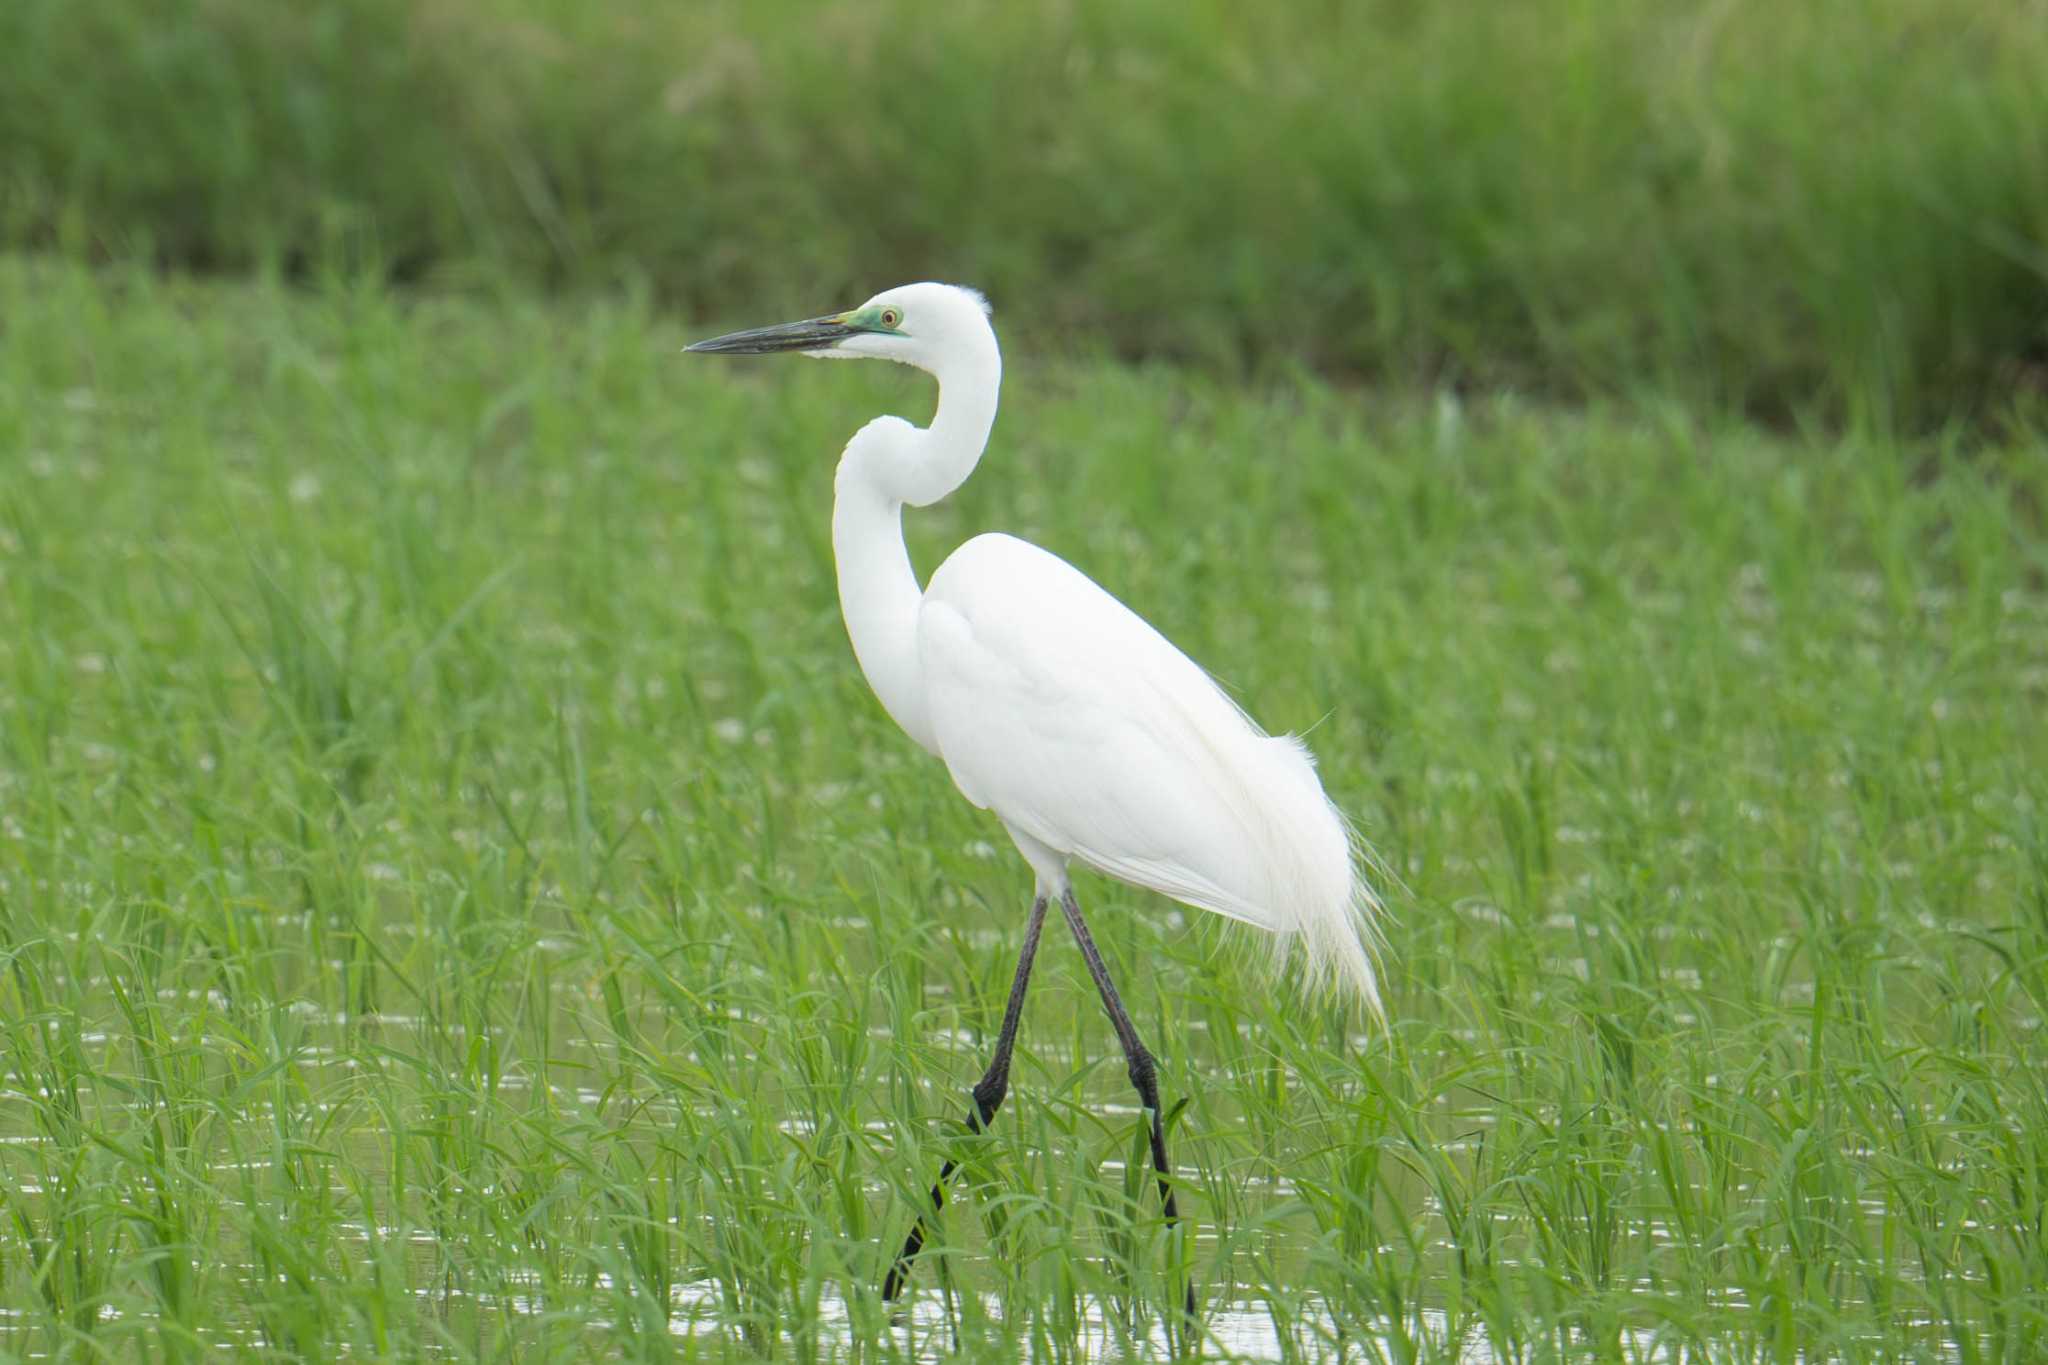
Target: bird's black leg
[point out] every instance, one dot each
(1144, 1071)
(988, 1097)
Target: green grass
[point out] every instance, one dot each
(458, 896)
(1837, 207)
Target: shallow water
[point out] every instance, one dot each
(1235, 1326)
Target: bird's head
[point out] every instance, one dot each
(918, 324)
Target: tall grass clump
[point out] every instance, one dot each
(1835, 208)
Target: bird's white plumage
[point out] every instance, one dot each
(1062, 711)
(1053, 704)
(1067, 715)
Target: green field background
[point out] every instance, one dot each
(459, 899)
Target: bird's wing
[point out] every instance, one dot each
(1061, 710)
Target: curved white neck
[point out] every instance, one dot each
(921, 466)
(889, 463)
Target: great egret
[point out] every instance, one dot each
(1056, 707)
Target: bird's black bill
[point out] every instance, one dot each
(817, 334)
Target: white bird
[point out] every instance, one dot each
(1055, 706)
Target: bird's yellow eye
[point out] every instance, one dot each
(892, 318)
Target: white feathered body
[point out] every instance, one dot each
(1084, 729)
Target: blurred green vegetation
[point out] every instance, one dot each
(1835, 209)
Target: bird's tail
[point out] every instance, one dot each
(1340, 936)
(1334, 910)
